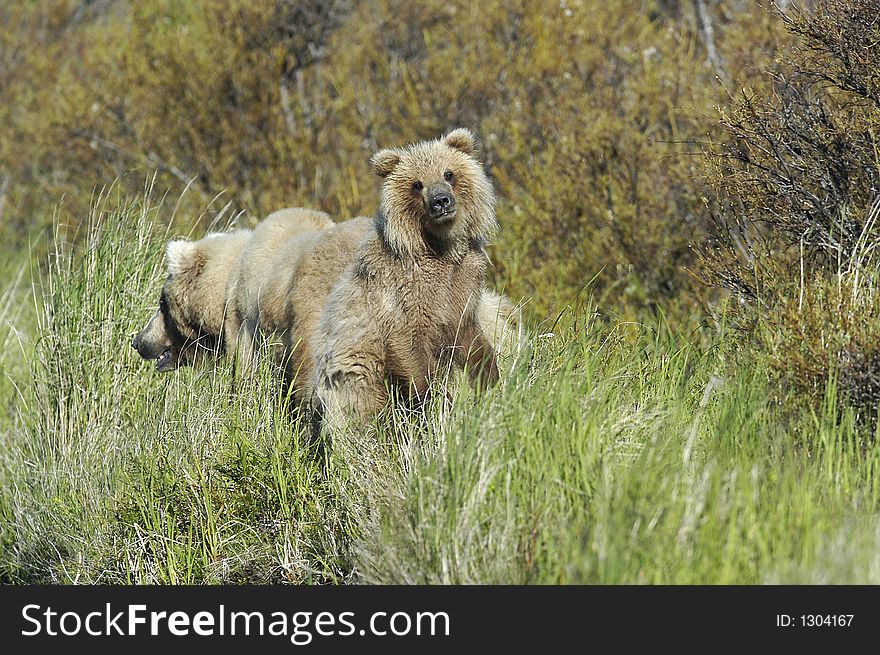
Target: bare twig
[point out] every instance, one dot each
(704, 21)
(155, 160)
(4, 188)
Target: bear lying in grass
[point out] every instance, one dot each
(406, 310)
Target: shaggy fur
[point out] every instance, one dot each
(263, 278)
(324, 258)
(500, 322)
(407, 308)
(278, 279)
(194, 309)
(321, 260)
(189, 321)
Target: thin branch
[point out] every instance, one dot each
(4, 188)
(705, 23)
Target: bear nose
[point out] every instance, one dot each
(441, 202)
(134, 343)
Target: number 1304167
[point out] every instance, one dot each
(814, 620)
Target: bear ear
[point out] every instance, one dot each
(385, 161)
(461, 139)
(180, 255)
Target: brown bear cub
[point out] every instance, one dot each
(406, 311)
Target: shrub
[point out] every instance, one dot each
(800, 165)
(823, 331)
(795, 187)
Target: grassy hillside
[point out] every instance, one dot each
(611, 452)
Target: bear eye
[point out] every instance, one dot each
(449, 176)
(418, 186)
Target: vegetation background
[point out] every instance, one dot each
(689, 206)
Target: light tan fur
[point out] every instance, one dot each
(310, 261)
(325, 256)
(263, 276)
(192, 306)
(305, 270)
(500, 321)
(407, 307)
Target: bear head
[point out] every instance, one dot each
(435, 195)
(167, 334)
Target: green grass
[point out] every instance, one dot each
(609, 453)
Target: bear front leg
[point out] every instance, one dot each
(241, 340)
(344, 395)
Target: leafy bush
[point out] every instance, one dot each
(795, 191)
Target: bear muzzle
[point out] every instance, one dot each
(153, 343)
(441, 207)
(167, 361)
